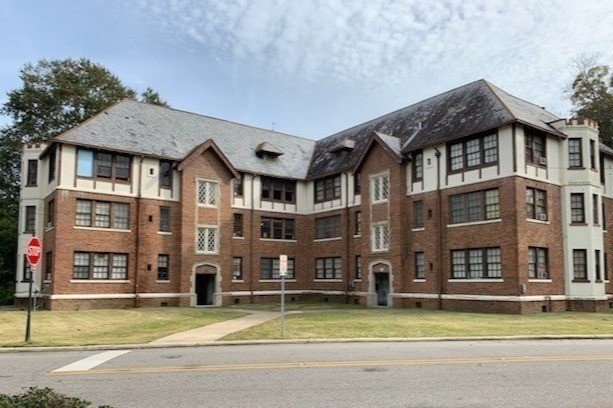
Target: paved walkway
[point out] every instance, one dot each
(219, 330)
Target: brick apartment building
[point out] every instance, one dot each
(470, 200)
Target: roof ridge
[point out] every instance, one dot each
(221, 119)
(400, 109)
(491, 87)
(496, 89)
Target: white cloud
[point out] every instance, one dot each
(392, 46)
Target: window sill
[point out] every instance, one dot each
(206, 206)
(419, 280)
(418, 229)
(47, 281)
(31, 185)
(327, 239)
(164, 233)
(238, 281)
(380, 202)
(102, 229)
(238, 237)
(98, 281)
(328, 280)
(162, 281)
(206, 253)
(277, 280)
(358, 236)
(465, 224)
(580, 281)
(537, 221)
(380, 251)
(481, 280)
(277, 240)
(47, 229)
(358, 280)
(578, 224)
(539, 280)
(576, 168)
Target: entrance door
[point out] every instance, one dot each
(205, 288)
(382, 287)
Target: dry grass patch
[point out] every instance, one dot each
(368, 323)
(88, 327)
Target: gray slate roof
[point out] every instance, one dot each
(157, 131)
(469, 109)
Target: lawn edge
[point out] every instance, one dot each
(304, 341)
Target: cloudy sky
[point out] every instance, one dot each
(312, 67)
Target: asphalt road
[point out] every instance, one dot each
(563, 373)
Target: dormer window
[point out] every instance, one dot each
(346, 144)
(266, 150)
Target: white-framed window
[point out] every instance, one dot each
(207, 192)
(380, 237)
(379, 188)
(207, 240)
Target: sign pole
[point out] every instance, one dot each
(28, 319)
(283, 273)
(33, 254)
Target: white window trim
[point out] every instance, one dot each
(372, 185)
(477, 280)
(465, 224)
(216, 227)
(217, 193)
(373, 226)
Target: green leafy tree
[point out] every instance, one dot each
(592, 95)
(54, 96)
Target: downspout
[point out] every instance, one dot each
(137, 228)
(348, 228)
(251, 237)
(440, 227)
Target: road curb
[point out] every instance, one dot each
(303, 341)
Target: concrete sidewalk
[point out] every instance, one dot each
(216, 331)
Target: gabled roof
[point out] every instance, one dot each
(209, 144)
(142, 128)
(469, 109)
(389, 143)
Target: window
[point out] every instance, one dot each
(328, 189)
(418, 166)
(102, 214)
(536, 204)
(593, 154)
(604, 217)
(580, 264)
(473, 153)
(328, 227)
(164, 219)
(32, 177)
(575, 153)
(535, 148)
(103, 266)
(163, 261)
(207, 193)
(269, 268)
(48, 265)
(357, 183)
(112, 166)
(30, 220)
(418, 214)
(606, 268)
(597, 265)
(85, 163)
(52, 159)
(277, 228)
(379, 188)
(328, 268)
(475, 206)
(237, 225)
(420, 268)
(358, 223)
(595, 209)
(50, 213)
(27, 270)
(206, 240)
(380, 237)
(537, 263)
(165, 174)
(237, 268)
(237, 186)
(577, 208)
(358, 267)
(279, 190)
(478, 263)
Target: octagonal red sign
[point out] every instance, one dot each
(34, 251)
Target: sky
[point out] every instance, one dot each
(308, 67)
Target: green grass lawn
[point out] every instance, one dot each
(386, 323)
(117, 326)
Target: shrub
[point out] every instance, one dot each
(34, 397)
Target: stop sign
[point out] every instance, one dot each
(33, 252)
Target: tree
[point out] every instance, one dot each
(55, 95)
(592, 94)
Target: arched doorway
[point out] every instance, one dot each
(380, 284)
(206, 285)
